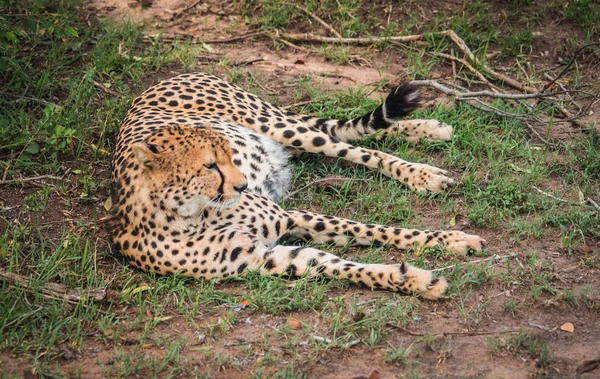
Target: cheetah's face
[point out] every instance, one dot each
(189, 169)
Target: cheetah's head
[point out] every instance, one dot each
(187, 169)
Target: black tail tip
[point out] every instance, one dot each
(401, 101)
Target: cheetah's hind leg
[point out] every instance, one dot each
(299, 261)
(330, 229)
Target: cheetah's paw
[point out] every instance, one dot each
(421, 282)
(461, 243)
(426, 178)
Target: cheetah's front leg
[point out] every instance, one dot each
(416, 131)
(417, 176)
(329, 229)
(299, 261)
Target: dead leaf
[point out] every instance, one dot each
(453, 221)
(588, 366)
(374, 375)
(294, 324)
(299, 61)
(108, 203)
(567, 327)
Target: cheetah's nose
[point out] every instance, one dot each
(241, 188)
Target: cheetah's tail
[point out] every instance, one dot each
(401, 101)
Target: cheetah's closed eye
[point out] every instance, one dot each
(200, 164)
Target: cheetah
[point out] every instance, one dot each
(200, 166)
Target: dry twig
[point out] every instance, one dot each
(257, 82)
(417, 334)
(594, 204)
(289, 44)
(247, 62)
(188, 38)
(493, 257)
(30, 179)
(569, 64)
(232, 39)
(462, 95)
(591, 202)
(107, 90)
(55, 290)
(319, 20)
(23, 99)
(307, 37)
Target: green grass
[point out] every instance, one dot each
(586, 13)
(63, 60)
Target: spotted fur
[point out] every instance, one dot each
(200, 164)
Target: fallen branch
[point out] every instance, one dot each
(247, 62)
(453, 59)
(232, 39)
(594, 204)
(493, 257)
(460, 95)
(30, 179)
(319, 20)
(289, 44)
(107, 90)
(537, 134)
(569, 64)
(463, 46)
(464, 63)
(54, 290)
(23, 99)
(417, 334)
(191, 39)
(591, 202)
(308, 37)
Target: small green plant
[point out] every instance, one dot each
(335, 54)
(533, 345)
(37, 201)
(584, 12)
(400, 354)
(516, 44)
(512, 305)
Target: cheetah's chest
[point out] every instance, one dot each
(264, 162)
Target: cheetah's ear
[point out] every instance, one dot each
(146, 155)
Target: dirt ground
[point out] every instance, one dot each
(467, 358)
